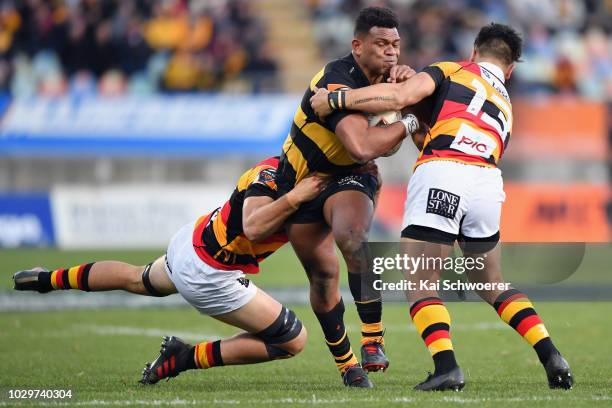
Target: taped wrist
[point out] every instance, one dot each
(337, 99)
(411, 123)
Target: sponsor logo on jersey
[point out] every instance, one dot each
(244, 282)
(350, 180)
(337, 87)
(474, 142)
(266, 177)
(442, 203)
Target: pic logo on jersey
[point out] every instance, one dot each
(442, 203)
(474, 142)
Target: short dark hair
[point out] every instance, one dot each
(499, 41)
(375, 17)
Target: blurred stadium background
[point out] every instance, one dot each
(123, 120)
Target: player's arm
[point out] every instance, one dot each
(262, 215)
(418, 138)
(365, 143)
(375, 98)
(385, 97)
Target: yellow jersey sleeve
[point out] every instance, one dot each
(441, 70)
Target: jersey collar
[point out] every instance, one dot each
(493, 69)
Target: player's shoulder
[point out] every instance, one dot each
(341, 65)
(343, 72)
(449, 67)
(270, 162)
(264, 173)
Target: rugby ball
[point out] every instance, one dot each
(385, 119)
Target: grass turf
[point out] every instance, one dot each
(521, 264)
(99, 354)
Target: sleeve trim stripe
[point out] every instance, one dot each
(435, 73)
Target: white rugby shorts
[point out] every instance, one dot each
(211, 291)
(448, 200)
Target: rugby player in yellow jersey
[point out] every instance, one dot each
(206, 263)
(456, 191)
(340, 146)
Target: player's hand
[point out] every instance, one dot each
(308, 188)
(371, 168)
(400, 73)
(319, 103)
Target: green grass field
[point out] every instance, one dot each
(99, 354)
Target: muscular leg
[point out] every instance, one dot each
(512, 306)
(100, 276)
(254, 318)
(349, 213)
(314, 246)
(271, 332)
(428, 312)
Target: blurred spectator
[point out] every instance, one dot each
(139, 46)
(147, 46)
(567, 48)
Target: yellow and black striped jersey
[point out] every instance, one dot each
(218, 237)
(471, 117)
(312, 144)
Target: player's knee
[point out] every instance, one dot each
(133, 281)
(322, 278)
(285, 337)
(323, 292)
(295, 346)
(351, 240)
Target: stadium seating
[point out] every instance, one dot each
(138, 47)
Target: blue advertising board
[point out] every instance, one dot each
(161, 125)
(25, 220)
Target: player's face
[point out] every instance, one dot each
(379, 50)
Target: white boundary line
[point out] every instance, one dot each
(148, 332)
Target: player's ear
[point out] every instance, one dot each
(473, 55)
(509, 70)
(357, 46)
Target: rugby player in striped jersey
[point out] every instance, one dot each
(342, 214)
(456, 191)
(208, 262)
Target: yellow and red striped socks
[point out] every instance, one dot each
(335, 337)
(514, 308)
(207, 354)
(72, 278)
(432, 322)
(372, 333)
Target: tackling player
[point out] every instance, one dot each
(206, 263)
(456, 191)
(340, 146)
